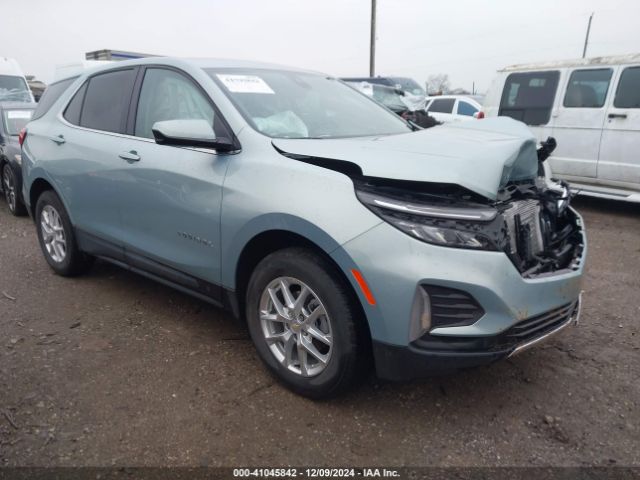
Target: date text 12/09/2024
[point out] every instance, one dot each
(315, 473)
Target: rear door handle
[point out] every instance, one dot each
(130, 156)
(58, 140)
(617, 115)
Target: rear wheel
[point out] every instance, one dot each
(303, 323)
(11, 191)
(57, 239)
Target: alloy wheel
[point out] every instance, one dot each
(296, 326)
(9, 187)
(53, 233)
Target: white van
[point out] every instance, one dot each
(592, 108)
(13, 84)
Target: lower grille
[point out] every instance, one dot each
(537, 326)
(451, 307)
(521, 333)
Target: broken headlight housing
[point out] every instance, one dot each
(438, 219)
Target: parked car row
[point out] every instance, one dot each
(345, 237)
(14, 116)
(396, 100)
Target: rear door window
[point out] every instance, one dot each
(628, 93)
(50, 95)
(587, 88)
(465, 108)
(529, 97)
(442, 105)
(107, 100)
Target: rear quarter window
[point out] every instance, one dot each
(50, 95)
(74, 108)
(529, 96)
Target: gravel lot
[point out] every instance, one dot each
(113, 369)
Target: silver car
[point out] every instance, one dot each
(343, 236)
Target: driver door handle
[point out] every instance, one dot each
(617, 115)
(130, 156)
(58, 140)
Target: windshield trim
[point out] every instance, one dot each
(212, 74)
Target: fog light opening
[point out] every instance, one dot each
(420, 314)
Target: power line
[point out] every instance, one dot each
(586, 38)
(372, 47)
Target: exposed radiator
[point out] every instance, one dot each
(528, 213)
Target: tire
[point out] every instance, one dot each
(57, 238)
(345, 359)
(12, 191)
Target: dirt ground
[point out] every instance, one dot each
(113, 369)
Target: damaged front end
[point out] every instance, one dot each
(531, 221)
(473, 185)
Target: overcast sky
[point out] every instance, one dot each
(468, 39)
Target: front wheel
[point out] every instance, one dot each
(304, 323)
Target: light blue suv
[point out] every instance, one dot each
(344, 236)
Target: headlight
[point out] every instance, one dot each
(439, 224)
(18, 158)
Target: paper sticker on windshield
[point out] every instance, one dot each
(244, 83)
(11, 114)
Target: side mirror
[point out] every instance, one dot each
(190, 133)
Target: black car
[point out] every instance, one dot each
(13, 118)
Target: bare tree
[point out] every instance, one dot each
(438, 84)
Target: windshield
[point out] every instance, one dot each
(285, 104)
(387, 96)
(14, 89)
(16, 120)
(410, 85)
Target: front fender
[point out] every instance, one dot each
(233, 246)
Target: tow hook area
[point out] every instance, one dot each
(572, 319)
(575, 316)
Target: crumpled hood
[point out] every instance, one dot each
(480, 155)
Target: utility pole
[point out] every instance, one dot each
(372, 48)
(586, 38)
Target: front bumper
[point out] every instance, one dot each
(394, 264)
(438, 356)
